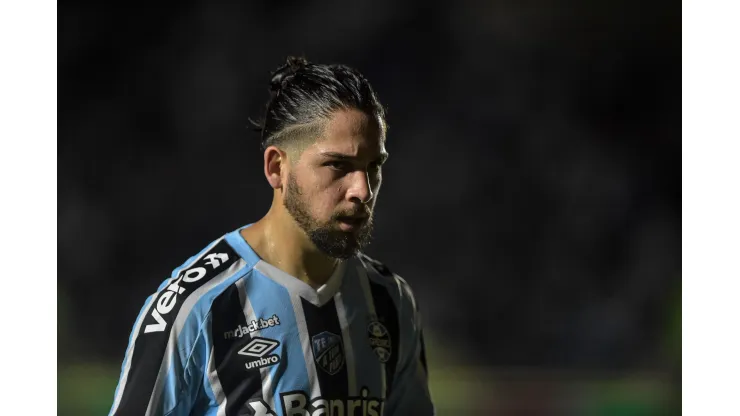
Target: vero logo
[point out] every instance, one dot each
(168, 298)
(216, 259)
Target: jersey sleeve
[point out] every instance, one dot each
(162, 371)
(410, 394)
(155, 375)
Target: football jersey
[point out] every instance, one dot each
(230, 334)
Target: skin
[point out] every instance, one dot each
(338, 175)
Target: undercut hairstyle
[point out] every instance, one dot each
(303, 97)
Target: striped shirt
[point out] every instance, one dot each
(229, 334)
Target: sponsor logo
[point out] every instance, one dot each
(258, 348)
(216, 259)
(168, 298)
(380, 340)
(298, 403)
(328, 352)
(252, 326)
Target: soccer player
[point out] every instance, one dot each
(287, 316)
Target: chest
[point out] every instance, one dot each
(297, 355)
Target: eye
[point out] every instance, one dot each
(337, 165)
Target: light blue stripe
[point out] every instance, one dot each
(269, 298)
(236, 241)
(212, 403)
(188, 337)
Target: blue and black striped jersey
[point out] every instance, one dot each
(229, 334)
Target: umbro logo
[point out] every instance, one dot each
(259, 348)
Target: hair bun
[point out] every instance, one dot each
(287, 71)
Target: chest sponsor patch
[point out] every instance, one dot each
(299, 403)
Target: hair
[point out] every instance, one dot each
(303, 97)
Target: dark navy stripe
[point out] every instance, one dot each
(328, 348)
(387, 314)
(154, 333)
(237, 382)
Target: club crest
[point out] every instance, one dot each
(380, 340)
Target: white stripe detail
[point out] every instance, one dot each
(177, 326)
(349, 353)
(362, 273)
(296, 285)
(268, 390)
(300, 318)
(218, 391)
(365, 284)
(137, 326)
(250, 316)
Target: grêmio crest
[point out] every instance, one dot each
(380, 341)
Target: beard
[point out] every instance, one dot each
(326, 236)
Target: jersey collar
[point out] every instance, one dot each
(318, 297)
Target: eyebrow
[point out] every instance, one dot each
(341, 156)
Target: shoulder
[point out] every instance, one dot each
(396, 285)
(201, 277)
(161, 356)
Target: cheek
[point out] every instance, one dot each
(324, 205)
(324, 199)
(334, 196)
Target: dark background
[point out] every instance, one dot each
(532, 197)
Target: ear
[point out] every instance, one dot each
(274, 160)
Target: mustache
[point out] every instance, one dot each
(365, 212)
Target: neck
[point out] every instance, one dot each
(278, 240)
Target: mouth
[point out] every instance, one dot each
(351, 223)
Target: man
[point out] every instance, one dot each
(286, 316)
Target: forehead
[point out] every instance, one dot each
(351, 132)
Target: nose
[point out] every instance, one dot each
(360, 190)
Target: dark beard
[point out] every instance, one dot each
(330, 240)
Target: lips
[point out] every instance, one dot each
(351, 223)
(352, 220)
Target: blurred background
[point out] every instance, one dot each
(535, 157)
